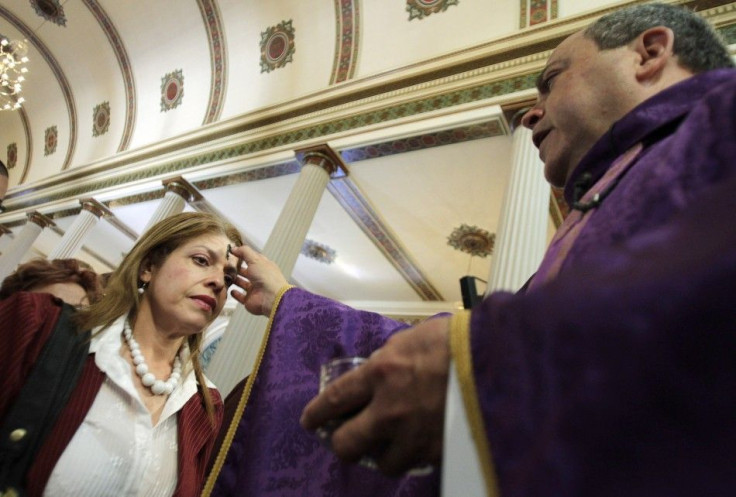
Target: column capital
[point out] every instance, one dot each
(95, 207)
(323, 156)
(41, 220)
(183, 188)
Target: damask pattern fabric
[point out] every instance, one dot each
(272, 455)
(615, 377)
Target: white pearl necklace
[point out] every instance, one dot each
(157, 387)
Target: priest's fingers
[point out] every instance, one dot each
(265, 280)
(363, 434)
(343, 396)
(413, 446)
(245, 252)
(241, 295)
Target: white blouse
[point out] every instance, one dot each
(117, 451)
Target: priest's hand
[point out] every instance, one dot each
(261, 279)
(399, 396)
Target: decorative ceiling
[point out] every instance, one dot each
(415, 96)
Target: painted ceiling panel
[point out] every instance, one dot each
(39, 114)
(254, 84)
(387, 29)
(82, 39)
(360, 270)
(460, 184)
(13, 134)
(425, 151)
(164, 37)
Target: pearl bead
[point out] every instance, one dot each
(158, 387)
(148, 379)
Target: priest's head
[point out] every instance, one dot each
(598, 75)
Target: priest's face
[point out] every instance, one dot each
(582, 92)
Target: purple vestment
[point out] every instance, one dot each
(618, 376)
(271, 455)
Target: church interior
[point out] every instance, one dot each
(409, 108)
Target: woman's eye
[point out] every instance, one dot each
(229, 279)
(201, 260)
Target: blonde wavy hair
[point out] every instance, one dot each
(121, 296)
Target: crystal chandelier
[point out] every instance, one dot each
(12, 72)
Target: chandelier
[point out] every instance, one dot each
(12, 72)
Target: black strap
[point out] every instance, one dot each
(42, 398)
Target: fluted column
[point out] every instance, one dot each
(237, 351)
(521, 237)
(178, 192)
(74, 237)
(23, 242)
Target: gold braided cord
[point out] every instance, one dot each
(228, 440)
(463, 359)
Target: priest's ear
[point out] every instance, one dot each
(655, 48)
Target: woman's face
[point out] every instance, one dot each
(188, 290)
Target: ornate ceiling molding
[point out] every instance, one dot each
(347, 40)
(29, 144)
(218, 58)
(338, 112)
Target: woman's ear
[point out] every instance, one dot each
(654, 47)
(145, 271)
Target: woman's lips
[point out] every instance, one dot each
(205, 302)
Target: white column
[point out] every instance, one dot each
(178, 193)
(236, 354)
(23, 242)
(521, 237)
(74, 237)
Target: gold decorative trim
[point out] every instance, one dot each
(95, 207)
(324, 157)
(463, 359)
(183, 188)
(230, 435)
(39, 219)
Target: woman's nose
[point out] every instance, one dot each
(217, 281)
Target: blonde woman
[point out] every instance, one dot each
(142, 418)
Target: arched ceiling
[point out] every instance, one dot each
(415, 95)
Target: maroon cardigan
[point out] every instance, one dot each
(26, 322)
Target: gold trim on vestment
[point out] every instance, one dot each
(463, 359)
(228, 440)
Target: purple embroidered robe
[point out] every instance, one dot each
(271, 455)
(618, 376)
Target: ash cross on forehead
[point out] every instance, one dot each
(228, 252)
